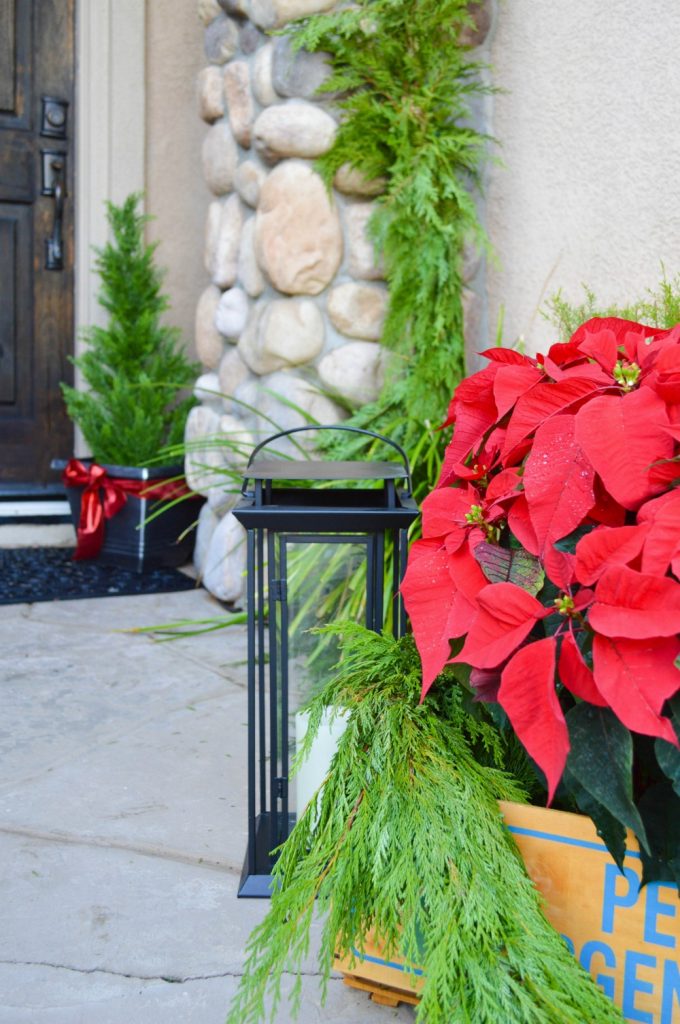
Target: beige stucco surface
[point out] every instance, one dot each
(176, 194)
(588, 121)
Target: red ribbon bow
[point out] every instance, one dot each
(103, 496)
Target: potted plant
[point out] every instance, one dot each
(549, 565)
(134, 408)
(403, 850)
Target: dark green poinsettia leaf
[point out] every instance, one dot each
(569, 543)
(660, 810)
(601, 760)
(608, 827)
(502, 566)
(667, 755)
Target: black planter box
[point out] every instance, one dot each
(129, 541)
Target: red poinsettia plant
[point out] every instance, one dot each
(550, 564)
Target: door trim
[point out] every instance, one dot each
(110, 134)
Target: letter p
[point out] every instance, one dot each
(620, 890)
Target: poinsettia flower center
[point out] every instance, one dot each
(565, 605)
(492, 531)
(626, 374)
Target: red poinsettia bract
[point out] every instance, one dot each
(551, 544)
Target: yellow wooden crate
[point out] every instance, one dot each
(627, 938)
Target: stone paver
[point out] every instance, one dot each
(122, 820)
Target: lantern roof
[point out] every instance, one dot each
(310, 469)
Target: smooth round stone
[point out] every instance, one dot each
(287, 400)
(232, 373)
(358, 310)
(208, 10)
(298, 72)
(274, 13)
(221, 40)
(263, 89)
(206, 388)
(223, 240)
(225, 561)
(210, 93)
(220, 158)
(298, 236)
(248, 181)
(240, 105)
(361, 258)
(248, 269)
(352, 182)
(293, 129)
(250, 37)
(207, 524)
(209, 342)
(231, 314)
(283, 332)
(354, 371)
(202, 458)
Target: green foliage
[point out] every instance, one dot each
(134, 367)
(659, 308)
(405, 82)
(407, 841)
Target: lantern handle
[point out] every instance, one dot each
(348, 429)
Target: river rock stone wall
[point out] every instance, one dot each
(288, 327)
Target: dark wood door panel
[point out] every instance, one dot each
(7, 55)
(16, 62)
(8, 311)
(36, 303)
(17, 169)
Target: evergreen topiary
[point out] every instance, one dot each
(135, 367)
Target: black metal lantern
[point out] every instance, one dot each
(313, 546)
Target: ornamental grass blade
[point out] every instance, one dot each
(601, 760)
(501, 565)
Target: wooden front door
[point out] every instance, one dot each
(37, 151)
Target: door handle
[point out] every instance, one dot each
(54, 245)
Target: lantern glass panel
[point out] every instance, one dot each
(320, 574)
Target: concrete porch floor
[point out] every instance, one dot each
(122, 820)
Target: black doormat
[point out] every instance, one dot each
(50, 574)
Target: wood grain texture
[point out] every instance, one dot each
(37, 330)
(7, 55)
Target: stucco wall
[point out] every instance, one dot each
(588, 122)
(175, 192)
